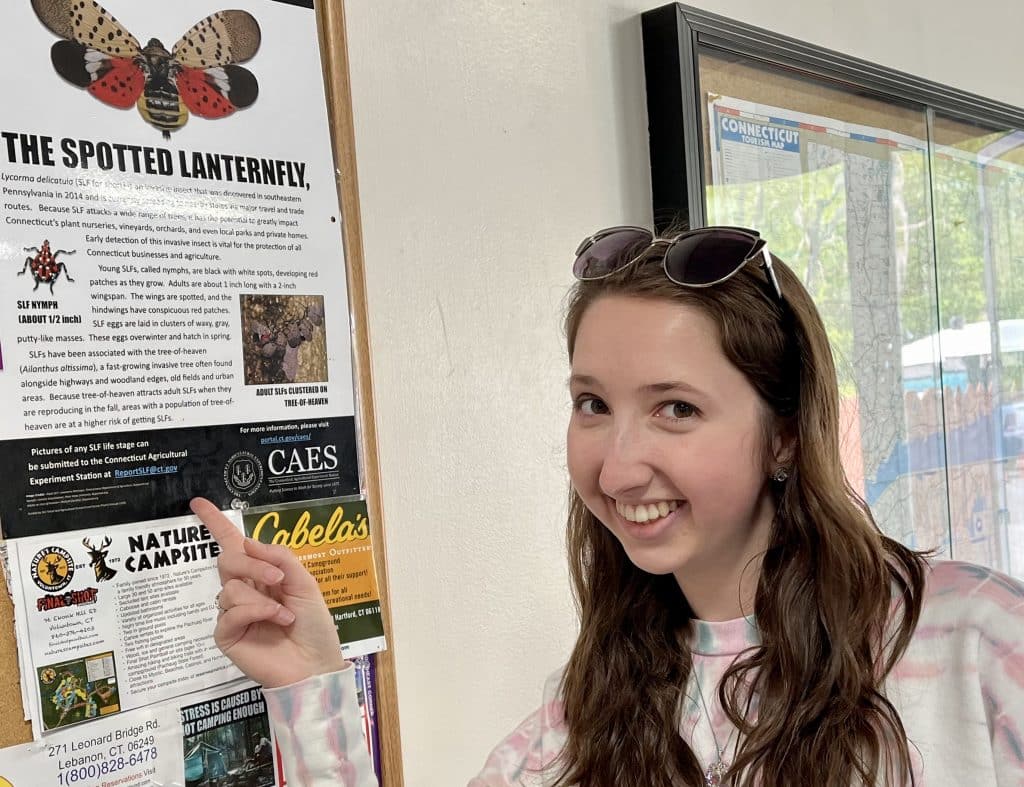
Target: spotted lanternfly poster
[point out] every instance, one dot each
(173, 307)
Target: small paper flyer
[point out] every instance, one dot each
(220, 736)
(115, 619)
(332, 540)
(227, 739)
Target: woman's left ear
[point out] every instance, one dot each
(783, 449)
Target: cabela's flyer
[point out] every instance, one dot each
(332, 540)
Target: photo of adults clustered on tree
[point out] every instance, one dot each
(284, 339)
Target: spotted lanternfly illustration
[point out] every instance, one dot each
(199, 75)
(44, 266)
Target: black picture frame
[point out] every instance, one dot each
(672, 38)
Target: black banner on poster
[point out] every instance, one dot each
(57, 484)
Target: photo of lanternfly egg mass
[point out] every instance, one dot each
(283, 339)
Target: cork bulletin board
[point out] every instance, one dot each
(174, 280)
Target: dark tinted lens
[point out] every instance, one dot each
(610, 253)
(707, 257)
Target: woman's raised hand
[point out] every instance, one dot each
(274, 625)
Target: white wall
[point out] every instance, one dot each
(491, 136)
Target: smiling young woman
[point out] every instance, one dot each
(777, 592)
(675, 470)
(742, 619)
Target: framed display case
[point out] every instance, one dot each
(898, 203)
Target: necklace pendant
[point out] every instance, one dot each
(715, 773)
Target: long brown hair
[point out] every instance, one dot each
(836, 602)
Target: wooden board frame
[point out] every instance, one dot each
(330, 15)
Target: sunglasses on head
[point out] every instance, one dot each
(699, 258)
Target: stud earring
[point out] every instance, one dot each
(780, 475)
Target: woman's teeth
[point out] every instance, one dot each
(646, 512)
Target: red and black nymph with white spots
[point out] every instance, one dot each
(45, 267)
(199, 75)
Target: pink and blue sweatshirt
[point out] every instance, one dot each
(959, 689)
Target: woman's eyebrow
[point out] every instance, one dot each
(671, 385)
(582, 379)
(586, 381)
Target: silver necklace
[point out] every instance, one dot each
(714, 774)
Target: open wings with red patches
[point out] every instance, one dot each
(210, 83)
(99, 54)
(217, 92)
(117, 81)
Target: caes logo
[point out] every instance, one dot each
(52, 569)
(44, 266)
(243, 474)
(311, 459)
(198, 75)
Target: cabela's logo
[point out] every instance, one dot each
(307, 530)
(243, 474)
(52, 569)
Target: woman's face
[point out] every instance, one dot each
(665, 447)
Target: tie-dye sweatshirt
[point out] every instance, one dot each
(959, 689)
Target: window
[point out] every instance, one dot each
(898, 202)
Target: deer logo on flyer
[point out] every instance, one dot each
(199, 75)
(52, 569)
(98, 559)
